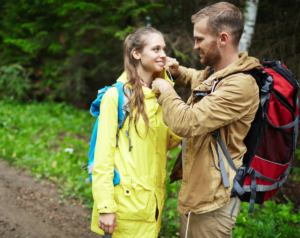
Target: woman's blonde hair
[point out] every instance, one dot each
(136, 41)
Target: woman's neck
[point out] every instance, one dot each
(146, 76)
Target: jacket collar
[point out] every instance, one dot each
(147, 91)
(244, 63)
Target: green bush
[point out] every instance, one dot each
(73, 46)
(295, 167)
(170, 216)
(14, 82)
(268, 221)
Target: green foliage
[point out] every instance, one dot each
(170, 216)
(275, 34)
(14, 82)
(268, 221)
(75, 47)
(51, 140)
(296, 169)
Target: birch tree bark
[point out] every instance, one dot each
(250, 19)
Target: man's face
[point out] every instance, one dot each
(206, 44)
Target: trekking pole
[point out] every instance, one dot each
(107, 235)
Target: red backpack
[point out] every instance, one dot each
(271, 140)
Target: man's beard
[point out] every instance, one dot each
(212, 56)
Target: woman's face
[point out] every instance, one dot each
(153, 57)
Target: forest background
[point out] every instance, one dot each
(59, 52)
(72, 48)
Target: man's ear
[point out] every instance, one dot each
(224, 38)
(136, 54)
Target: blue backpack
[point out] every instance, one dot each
(123, 112)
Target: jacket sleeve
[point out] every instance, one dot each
(230, 102)
(103, 173)
(187, 77)
(174, 140)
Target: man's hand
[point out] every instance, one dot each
(160, 85)
(107, 222)
(174, 67)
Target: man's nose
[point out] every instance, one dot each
(196, 46)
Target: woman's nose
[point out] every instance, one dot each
(163, 53)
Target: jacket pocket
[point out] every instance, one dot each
(204, 179)
(136, 203)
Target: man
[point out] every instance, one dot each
(230, 106)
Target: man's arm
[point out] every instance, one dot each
(183, 77)
(227, 104)
(188, 78)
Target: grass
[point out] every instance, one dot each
(49, 139)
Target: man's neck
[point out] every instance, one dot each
(226, 60)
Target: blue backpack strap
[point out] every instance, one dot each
(121, 114)
(95, 111)
(119, 86)
(95, 107)
(90, 165)
(123, 111)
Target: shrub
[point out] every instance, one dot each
(170, 216)
(268, 220)
(14, 82)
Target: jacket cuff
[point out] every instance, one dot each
(166, 94)
(107, 207)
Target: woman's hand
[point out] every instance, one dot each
(107, 222)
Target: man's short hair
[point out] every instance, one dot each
(222, 16)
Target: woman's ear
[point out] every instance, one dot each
(136, 54)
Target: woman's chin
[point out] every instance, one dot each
(159, 69)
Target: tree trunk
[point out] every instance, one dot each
(250, 18)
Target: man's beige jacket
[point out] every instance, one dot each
(230, 108)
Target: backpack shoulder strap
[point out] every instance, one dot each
(256, 74)
(123, 107)
(119, 86)
(123, 110)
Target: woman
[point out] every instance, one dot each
(133, 208)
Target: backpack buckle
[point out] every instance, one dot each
(250, 170)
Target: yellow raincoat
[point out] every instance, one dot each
(142, 171)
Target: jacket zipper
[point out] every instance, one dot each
(214, 86)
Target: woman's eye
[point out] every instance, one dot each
(165, 50)
(156, 49)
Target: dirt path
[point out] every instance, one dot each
(30, 209)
